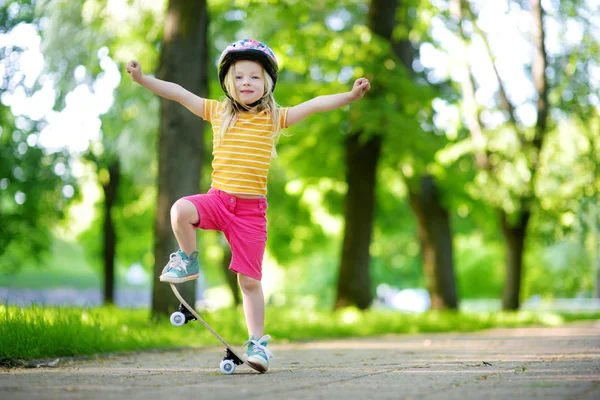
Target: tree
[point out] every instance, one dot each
(36, 185)
(296, 238)
(508, 155)
(350, 137)
(354, 283)
(432, 216)
(183, 60)
(116, 168)
(514, 225)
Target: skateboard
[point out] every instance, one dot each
(186, 313)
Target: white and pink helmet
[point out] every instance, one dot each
(248, 49)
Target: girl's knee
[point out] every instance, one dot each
(248, 285)
(183, 211)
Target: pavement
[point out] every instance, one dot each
(525, 363)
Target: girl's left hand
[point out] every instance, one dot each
(361, 86)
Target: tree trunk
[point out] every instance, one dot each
(354, 282)
(514, 237)
(595, 251)
(435, 236)
(109, 232)
(591, 219)
(184, 60)
(540, 63)
(383, 19)
(514, 234)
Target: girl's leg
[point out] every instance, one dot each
(183, 218)
(183, 265)
(254, 309)
(254, 305)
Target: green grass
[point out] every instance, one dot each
(35, 333)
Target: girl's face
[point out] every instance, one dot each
(249, 79)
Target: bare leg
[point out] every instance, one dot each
(254, 305)
(183, 217)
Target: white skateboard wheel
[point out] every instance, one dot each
(227, 367)
(177, 318)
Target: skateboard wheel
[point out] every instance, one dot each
(177, 318)
(227, 367)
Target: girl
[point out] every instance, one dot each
(246, 126)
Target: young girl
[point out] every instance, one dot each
(246, 126)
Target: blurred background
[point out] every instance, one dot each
(467, 178)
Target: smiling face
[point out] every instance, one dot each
(249, 77)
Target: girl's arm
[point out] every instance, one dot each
(168, 90)
(327, 103)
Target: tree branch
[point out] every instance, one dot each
(504, 101)
(539, 74)
(468, 91)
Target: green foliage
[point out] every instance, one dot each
(322, 47)
(129, 127)
(133, 217)
(13, 12)
(561, 269)
(32, 181)
(310, 281)
(28, 188)
(480, 267)
(395, 247)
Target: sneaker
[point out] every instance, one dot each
(257, 354)
(181, 268)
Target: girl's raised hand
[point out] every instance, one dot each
(361, 86)
(134, 69)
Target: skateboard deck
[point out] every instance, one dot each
(230, 353)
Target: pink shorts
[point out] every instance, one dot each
(244, 223)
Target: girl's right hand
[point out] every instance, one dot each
(134, 68)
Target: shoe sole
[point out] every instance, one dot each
(259, 367)
(180, 280)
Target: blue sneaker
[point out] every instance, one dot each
(181, 268)
(257, 354)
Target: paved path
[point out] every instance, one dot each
(554, 363)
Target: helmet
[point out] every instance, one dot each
(248, 49)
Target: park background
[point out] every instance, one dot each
(469, 174)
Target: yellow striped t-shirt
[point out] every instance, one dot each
(241, 159)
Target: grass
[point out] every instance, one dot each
(44, 332)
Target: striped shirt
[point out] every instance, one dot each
(241, 159)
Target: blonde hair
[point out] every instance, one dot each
(234, 106)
